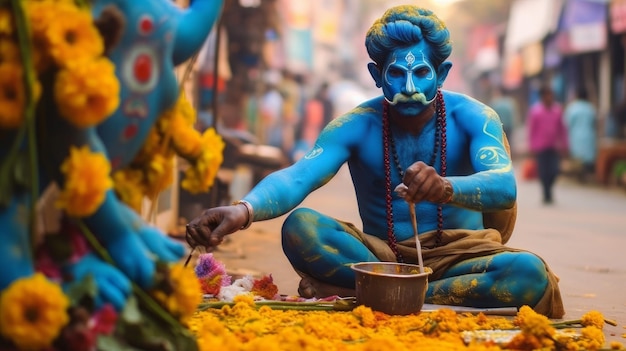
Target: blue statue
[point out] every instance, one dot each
(145, 41)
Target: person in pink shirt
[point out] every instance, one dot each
(547, 139)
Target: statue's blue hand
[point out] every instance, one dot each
(165, 248)
(15, 246)
(113, 287)
(162, 246)
(132, 257)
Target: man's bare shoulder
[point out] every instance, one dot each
(362, 115)
(465, 107)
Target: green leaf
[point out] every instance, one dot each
(86, 288)
(110, 343)
(131, 313)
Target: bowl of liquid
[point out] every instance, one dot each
(389, 287)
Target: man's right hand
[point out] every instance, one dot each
(213, 224)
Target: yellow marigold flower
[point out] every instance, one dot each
(32, 312)
(12, 95)
(86, 181)
(9, 52)
(185, 109)
(592, 338)
(87, 93)
(129, 187)
(593, 318)
(40, 14)
(6, 21)
(533, 323)
(366, 315)
(187, 295)
(159, 174)
(246, 299)
(201, 176)
(187, 140)
(75, 38)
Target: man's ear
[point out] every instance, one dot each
(376, 74)
(442, 72)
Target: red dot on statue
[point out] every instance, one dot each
(146, 25)
(143, 68)
(130, 131)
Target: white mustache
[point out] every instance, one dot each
(417, 97)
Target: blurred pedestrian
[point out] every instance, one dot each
(291, 89)
(580, 118)
(271, 108)
(506, 108)
(318, 113)
(547, 139)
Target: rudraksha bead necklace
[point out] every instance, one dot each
(390, 148)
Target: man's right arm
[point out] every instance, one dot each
(283, 190)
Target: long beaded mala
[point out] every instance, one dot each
(390, 148)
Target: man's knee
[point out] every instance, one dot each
(300, 222)
(527, 276)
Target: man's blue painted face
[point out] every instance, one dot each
(409, 79)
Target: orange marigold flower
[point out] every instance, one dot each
(593, 318)
(6, 22)
(159, 174)
(592, 338)
(86, 181)
(129, 187)
(87, 93)
(187, 140)
(200, 177)
(33, 311)
(186, 296)
(9, 52)
(40, 14)
(12, 95)
(74, 39)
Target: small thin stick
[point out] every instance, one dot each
(418, 245)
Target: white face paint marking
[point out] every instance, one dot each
(316, 151)
(410, 58)
(432, 69)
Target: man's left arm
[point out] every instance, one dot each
(492, 187)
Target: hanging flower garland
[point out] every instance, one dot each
(85, 90)
(51, 48)
(174, 134)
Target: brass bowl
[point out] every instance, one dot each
(389, 287)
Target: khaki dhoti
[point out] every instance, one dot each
(456, 246)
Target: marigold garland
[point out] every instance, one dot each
(75, 38)
(87, 93)
(32, 312)
(174, 134)
(245, 326)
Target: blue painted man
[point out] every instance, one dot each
(450, 152)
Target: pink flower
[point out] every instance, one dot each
(212, 274)
(104, 320)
